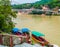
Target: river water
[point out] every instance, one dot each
(50, 26)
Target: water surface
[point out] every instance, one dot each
(50, 26)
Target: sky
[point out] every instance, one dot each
(23, 1)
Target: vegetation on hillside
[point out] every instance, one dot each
(37, 5)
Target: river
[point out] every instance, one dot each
(50, 26)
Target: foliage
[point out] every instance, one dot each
(21, 6)
(37, 5)
(54, 4)
(36, 12)
(6, 15)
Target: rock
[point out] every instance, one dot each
(28, 45)
(3, 46)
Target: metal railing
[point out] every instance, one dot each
(37, 10)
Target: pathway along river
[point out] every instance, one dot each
(50, 26)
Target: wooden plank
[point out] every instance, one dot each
(1, 41)
(14, 35)
(11, 41)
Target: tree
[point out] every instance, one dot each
(54, 3)
(6, 15)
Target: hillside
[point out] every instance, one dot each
(37, 4)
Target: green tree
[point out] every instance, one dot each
(54, 3)
(6, 15)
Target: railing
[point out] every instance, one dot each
(30, 10)
(9, 39)
(37, 10)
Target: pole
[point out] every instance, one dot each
(11, 41)
(1, 41)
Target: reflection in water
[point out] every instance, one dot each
(50, 26)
